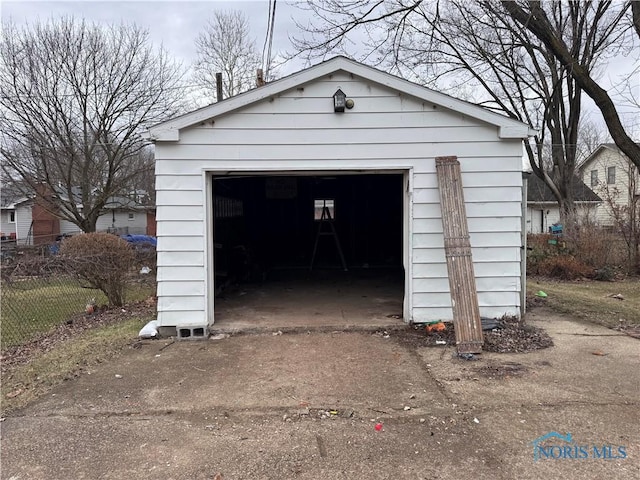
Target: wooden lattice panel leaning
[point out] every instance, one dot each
(457, 247)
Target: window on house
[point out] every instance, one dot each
(611, 175)
(319, 207)
(594, 178)
(12, 216)
(131, 216)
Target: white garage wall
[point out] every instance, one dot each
(298, 130)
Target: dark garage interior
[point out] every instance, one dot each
(299, 248)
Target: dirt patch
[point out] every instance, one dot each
(510, 336)
(21, 354)
(502, 370)
(417, 336)
(533, 302)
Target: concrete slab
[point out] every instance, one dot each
(587, 364)
(318, 299)
(363, 372)
(259, 407)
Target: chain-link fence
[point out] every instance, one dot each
(39, 292)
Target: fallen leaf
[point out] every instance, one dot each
(599, 353)
(15, 393)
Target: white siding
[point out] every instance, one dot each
(67, 227)
(493, 202)
(618, 193)
(7, 227)
(541, 216)
(298, 131)
(112, 219)
(23, 223)
(120, 219)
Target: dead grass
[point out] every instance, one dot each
(25, 383)
(592, 300)
(31, 307)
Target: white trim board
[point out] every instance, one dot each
(170, 130)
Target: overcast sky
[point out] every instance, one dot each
(176, 24)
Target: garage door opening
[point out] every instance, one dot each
(299, 250)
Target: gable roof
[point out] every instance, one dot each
(603, 146)
(170, 129)
(11, 195)
(12, 203)
(539, 192)
(115, 202)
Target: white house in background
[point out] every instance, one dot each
(543, 210)
(15, 217)
(19, 223)
(121, 216)
(282, 149)
(614, 177)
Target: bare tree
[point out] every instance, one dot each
(533, 17)
(591, 135)
(141, 188)
(624, 208)
(465, 47)
(225, 46)
(75, 97)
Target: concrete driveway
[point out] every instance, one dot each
(305, 405)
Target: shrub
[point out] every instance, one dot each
(605, 274)
(540, 248)
(564, 267)
(102, 260)
(601, 249)
(598, 247)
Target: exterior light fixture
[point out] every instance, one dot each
(339, 101)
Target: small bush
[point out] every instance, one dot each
(540, 248)
(605, 274)
(102, 259)
(599, 248)
(564, 267)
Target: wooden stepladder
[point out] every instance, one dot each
(326, 219)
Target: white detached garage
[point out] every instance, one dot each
(282, 179)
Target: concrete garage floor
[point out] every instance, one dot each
(321, 299)
(304, 406)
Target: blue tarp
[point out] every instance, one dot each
(140, 239)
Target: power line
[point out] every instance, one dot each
(268, 40)
(266, 35)
(107, 95)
